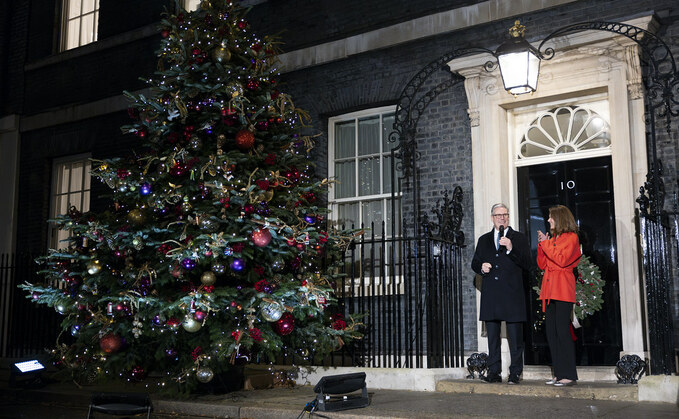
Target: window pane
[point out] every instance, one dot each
(76, 176)
(369, 135)
(388, 128)
(86, 201)
(73, 8)
(61, 205)
(72, 37)
(347, 215)
(88, 6)
(345, 144)
(75, 200)
(87, 29)
(345, 174)
(373, 213)
(369, 176)
(71, 188)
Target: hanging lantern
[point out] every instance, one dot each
(519, 62)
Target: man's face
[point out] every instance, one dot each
(500, 217)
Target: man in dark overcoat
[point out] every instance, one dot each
(501, 257)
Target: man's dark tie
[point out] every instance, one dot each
(497, 242)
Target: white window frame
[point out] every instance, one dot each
(333, 202)
(70, 37)
(190, 5)
(63, 187)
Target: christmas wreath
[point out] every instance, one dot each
(589, 288)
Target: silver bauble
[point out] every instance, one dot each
(190, 324)
(204, 374)
(278, 264)
(209, 224)
(272, 311)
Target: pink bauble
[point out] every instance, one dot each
(261, 237)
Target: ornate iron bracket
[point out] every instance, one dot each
(449, 217)
(629, 369)
(477, 364)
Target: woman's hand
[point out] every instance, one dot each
(542, 236)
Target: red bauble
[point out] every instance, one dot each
(110, 343)
(261, 237)
(285, 324)
(245, 139)
(138, 373)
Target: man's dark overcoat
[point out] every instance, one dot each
(502, 289)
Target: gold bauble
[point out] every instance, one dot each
(208, 278)
(136, 216)
(94, 267)
(221, 54)
(191, 325)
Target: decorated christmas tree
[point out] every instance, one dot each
(214, 248)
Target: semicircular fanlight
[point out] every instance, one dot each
(566, 129)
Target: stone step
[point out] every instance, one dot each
(591, 390)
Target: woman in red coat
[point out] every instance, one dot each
(558, 254)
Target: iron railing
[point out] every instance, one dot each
(26, 328)
(410, 289)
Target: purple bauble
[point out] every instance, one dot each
(145, 188)
(188, 264)
(237, 265)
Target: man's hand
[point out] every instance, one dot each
(504, 241)
(485, 268)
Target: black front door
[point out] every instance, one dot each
(586, 188)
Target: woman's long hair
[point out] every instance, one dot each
(563, 220)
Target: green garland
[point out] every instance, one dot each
(589, 288)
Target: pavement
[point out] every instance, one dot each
(454, 399)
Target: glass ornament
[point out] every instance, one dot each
(271, 311)
(237, 265)
(218, 268)
(285, 325)
(75, 330)
(261, 237)
(145, 188)
(191, 325)
(209, 224)
(94, 267)
(204, 374)
(195, 143)
(278, 264)
(208, 278)
(188, 263)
